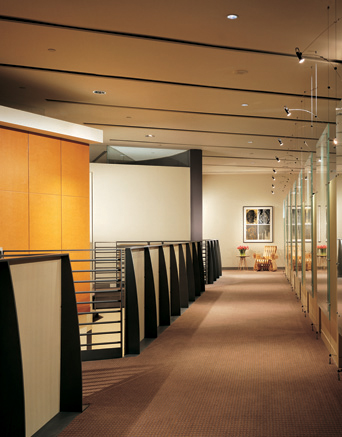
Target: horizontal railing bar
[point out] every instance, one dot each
(93, 259)
(98, 312)
(97, 270)
(98, 302)
(105, 290)
(63, 250)
(99, 323)
(100, 344)
(101, 333)
(96, 280)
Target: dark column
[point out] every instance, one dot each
(196, 194)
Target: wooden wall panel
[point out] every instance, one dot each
(14, 220)
(75, 222)
(13, 160)
(44, 165)
(75, 235)
(75, 169)
(52, 210)
(45, 221)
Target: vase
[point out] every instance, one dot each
(242, 252)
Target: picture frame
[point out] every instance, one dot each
(258, 224)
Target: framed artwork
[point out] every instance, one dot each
(257, 224)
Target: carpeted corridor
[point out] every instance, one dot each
(241, 361)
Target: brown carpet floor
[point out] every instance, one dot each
(241, 361)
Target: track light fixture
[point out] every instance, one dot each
(335, 141)
(274, 171)
(299, 55)
(288, 113)
(272, 192)
(280, 142)
(278, 160)
(273, 178)
(272, 185)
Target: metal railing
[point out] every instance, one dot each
(99, 287)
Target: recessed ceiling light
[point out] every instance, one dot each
(244, 104)
(99, 92)
(149, 136)
(240, 72)
(51, 50)
(250, 142)
(232, 16)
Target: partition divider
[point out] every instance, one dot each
(150, 298)
(174, 291)
(163, 288)
(183, 279)
(164, 301)
(196, 269)
(132, 329)
(201, 266)
(190, 273)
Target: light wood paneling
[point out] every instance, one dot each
(75, 223)
(37, 289)
(14, 222)
(75, 235)
(44, 165)
(75, 169)
(13, 160)
(45, 221)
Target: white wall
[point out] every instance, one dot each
(224, 197)
(140, 202)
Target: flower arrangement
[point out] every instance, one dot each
(242, 249)
(322, 249)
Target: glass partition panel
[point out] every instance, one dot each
(294, 227)
(289, 235)
(322, 179)
(308, 228)
(339, 214)
(299, 227)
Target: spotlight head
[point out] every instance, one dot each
(272, 192)
(278, 160)
(335, 141)
(286, 109)
(272, 185)
(273, 178)
(299, 55)
(307, 145)
(274, 171)
(280, 142)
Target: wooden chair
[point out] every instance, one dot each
(270, 253)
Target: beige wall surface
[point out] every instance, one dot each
(140, 203)
(224, 197)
